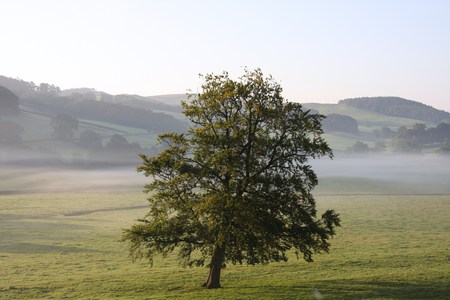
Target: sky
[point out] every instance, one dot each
(319, 51)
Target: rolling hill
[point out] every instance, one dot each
(375, 118)
(399, 107)
(138, 120)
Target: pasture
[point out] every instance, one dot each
(67, 246)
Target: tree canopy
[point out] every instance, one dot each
(237, 186)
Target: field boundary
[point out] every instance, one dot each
(91, 211)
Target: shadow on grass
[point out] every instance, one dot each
(349, 289)
(384, 289)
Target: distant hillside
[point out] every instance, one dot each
(399, 107)
(146, 103)
(9, 103)
(171, 99)
(115, 113)
(381, 123)
(167, 103)
(87, 103)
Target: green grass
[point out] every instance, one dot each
(389, 247)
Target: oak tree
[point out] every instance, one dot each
(237, 186)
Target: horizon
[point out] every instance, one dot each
(320, 52)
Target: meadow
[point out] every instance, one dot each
(67, 246)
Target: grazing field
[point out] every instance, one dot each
(57, 246)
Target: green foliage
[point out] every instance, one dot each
(237, 187)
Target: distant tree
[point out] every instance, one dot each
(386, 132)
(9, 102)
(341, 123)
(439, 134)
(48, 89)
(406, 145)
(359, 147)
(90, 139)
(117, 142)
(119, 151)
(237, 186)
(64, 126)
(379, 147)
(445, 149)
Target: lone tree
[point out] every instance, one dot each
(237, 186)
(64, 126)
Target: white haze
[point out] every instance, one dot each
(21, 179)
(421, 174)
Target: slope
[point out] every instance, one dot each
(399, 107)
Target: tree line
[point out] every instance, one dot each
(412, 140)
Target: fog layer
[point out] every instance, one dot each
(398, 174)
(409, 174)
(20, 179)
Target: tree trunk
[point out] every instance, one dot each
(213, 281)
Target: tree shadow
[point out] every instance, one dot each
(350, 289)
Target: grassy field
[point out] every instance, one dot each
(67, 246)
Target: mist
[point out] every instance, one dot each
(39, 179)
(397, 174)
(387, 173)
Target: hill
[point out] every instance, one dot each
(78, 127)
(9, 102)
(115, 113)
(399, 107)
(360, 124)
(170, 99)
(377, 131)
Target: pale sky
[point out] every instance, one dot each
(320, 51)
